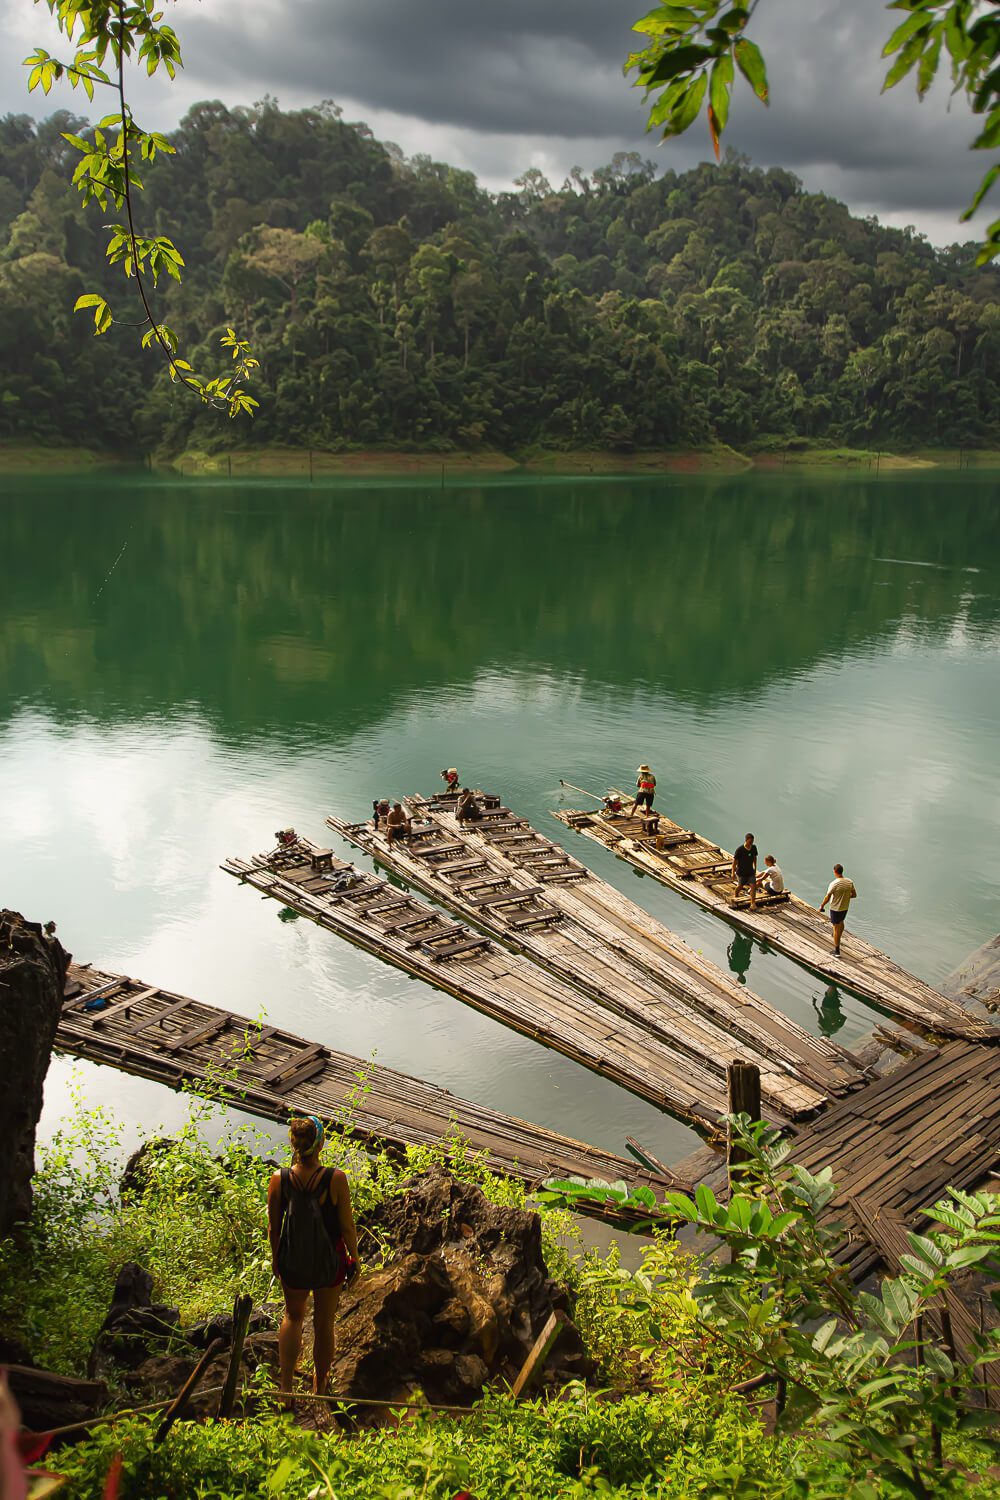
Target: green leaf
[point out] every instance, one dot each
(687, 111)
(89, 299)
(918, 22)
(981, 192)
(968, 1255)
(904, 63)
(750, 62)
(927, 71)
(935, 1359)
(677, 60)
(666, 18)
(720, 85)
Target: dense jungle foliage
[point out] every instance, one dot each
(669, 1341)
(395, 303)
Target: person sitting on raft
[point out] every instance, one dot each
(450, 779)
(645, 789)
(380, 809)
(468, 810)
(771, 880)
(397, 824)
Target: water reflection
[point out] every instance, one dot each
(829, 1011)
(739, 951)
(325, 609)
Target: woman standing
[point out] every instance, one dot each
(314, 1248)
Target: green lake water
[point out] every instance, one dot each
(185, 667)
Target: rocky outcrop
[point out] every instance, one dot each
(133, 1324)
(32, 975)
(459, 1304)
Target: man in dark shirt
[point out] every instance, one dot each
(745, 869)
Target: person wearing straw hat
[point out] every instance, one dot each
(314, 1248)
(645, 789)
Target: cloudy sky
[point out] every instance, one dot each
(500, 85)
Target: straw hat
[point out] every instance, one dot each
(641, 768)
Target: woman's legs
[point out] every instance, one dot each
(325, 1302)
(290, 1336)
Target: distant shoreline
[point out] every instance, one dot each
(303, 463)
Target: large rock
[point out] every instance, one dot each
(460, 1303)
(134, 1325)
(32, 976)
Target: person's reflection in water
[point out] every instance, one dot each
(739, 952)
(829, 1011)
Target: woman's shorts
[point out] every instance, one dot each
(339, 1278)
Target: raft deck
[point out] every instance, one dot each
(420, 940)
(700, 870)
(524, 898)
(267, 1071)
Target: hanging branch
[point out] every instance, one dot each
(106, 174)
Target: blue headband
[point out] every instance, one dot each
(320, 1132)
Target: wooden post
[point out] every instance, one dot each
(310, 466)
(540, 1351)
(229, 464)
(187, 1390)
(878, 460)
(743, 1089)
(242, 1308)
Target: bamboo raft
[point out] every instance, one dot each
(538, 902)
(700, 870)
(266, 1071)
(420, 940)
(930, 1124)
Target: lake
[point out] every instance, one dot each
(187, 666)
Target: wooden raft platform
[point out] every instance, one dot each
(523, 898)
(417, 938)
(930, 1124)
(266, 1071)
(700, 870)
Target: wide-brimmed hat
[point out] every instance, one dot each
(641, 768)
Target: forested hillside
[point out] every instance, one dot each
(394, 303)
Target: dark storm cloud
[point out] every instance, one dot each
(551, 70)
(499, 84)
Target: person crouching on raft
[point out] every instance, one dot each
(645, 789)
(450, 779)
(314, 1248)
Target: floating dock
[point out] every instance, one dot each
(700, 870)
(417, 938)
(153, 1033)
(505, 878)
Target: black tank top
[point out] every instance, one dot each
(322, 1185)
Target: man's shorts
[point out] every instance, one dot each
(836, 917)
(644, 799)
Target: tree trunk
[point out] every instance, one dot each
(32, 975)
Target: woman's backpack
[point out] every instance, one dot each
(307, 1257)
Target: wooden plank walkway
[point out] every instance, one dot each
(417, 938)
(699, 869)
(267, 1071)
(523, 897)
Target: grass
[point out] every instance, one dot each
(280, 463)
(29, 458)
